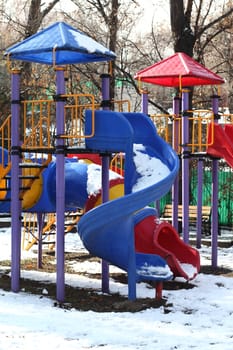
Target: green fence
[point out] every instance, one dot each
(225, 194)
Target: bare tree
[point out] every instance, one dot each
(36, 15)
(196, 30)
(112, 15)
(33, 23)
(191, 22)
(25, 21)
(197, 25)
(114, 24)
(26, 18)
(183, 35)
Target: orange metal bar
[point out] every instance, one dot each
(117, 163)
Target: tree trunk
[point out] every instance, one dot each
(35, 18)
(183, 36)
(113, 29)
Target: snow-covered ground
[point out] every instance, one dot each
(199, 318)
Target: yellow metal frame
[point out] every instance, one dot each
(30, 230)
(162, 122)
(117, 163)
(77, 116)
(119, 104)
(200, 120)
(37, 123)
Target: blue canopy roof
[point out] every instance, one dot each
(60, 44)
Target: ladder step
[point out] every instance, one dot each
(5, 200)
(32, 165)
(23, 177)
(73, 230)
(8, 199)
(21, 188)
(74, 215)
(28, 177)
(48, 150)
(52, 242)
(44, 243)
(5, 221)
(49, 233)
(5, 215)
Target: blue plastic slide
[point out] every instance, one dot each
(107, 231)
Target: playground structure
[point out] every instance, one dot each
(38, 177)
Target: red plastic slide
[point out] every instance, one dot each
(222, 145)
(162, 239)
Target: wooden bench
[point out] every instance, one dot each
(205, 217)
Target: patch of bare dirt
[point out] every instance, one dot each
(89, 299)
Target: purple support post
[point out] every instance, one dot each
(60, 184)
(185, 166)
(105, 198)
(40, 222)
(175, 145)
(214, 213)
(105, 176)
(199, 200)
(144, 101)
(15, 181)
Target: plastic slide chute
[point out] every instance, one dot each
(154, 237)
(124, 230)
(220, 142)
(107, 231)
(78, 194)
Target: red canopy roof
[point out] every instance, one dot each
(178, 69)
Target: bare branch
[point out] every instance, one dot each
(49, 7)
(215, 21)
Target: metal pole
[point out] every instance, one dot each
(144, 101)
(105, 175)
(185, 166)
(40, 221)
(199, 200)
(15, 181)
(60, 185)
(175, 145)
(214, 213)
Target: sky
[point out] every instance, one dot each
(150, 7)
(150, 10)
